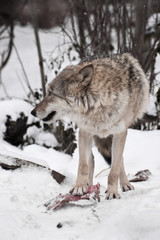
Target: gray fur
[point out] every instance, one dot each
(103, 97)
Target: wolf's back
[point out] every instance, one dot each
(138, 92)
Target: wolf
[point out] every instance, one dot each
(103, 96)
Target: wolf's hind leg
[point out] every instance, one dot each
(117, 151)
(124, 183)
(86, 164)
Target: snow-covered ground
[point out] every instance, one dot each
(135, 216)
(24, 191)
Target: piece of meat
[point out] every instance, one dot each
(61, 200)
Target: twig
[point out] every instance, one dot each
(5, 90)
(95, 214)
(1, 83)
(23, 69)
(34, 21)
(10, 44)
(102, 171)
(21, 82)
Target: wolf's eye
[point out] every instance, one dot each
(49, 93)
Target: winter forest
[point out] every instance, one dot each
(39, 161)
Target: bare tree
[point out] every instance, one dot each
(104, 27)
(34, 22)
(117, 26)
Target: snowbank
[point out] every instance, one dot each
(135, 216)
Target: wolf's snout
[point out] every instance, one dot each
(33, 112)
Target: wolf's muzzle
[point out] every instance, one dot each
(49, 117)
(33, 112)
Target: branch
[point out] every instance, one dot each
(23, 69)
(151, 53)
(10, 44)
(34, 21)
(12, 163)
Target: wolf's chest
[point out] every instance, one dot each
(98, 126)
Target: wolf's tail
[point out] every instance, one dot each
(104, 146)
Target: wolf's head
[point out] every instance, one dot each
(67, 93)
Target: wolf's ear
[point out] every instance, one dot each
(85, 74)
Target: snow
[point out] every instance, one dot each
(24, 191)
(41, 136)
(135, 216)
(151, 106)
(155, 18)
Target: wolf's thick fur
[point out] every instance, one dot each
(104, 97)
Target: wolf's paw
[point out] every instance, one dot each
(79, 189)
(110, 196)
(126, 187)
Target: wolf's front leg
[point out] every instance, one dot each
(117, 151)
(124, 183)
(86, 164)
